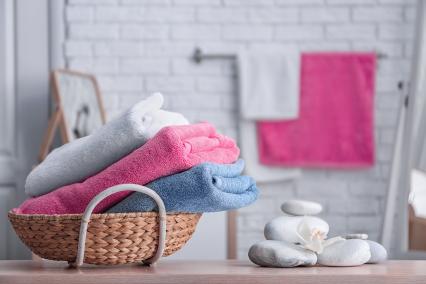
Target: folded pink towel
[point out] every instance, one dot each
(172, 150)
(335, 124)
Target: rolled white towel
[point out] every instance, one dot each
(84, 157)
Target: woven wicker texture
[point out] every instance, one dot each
(115, 238)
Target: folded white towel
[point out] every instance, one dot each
(84, 157)
(269, 84)
(261, 173)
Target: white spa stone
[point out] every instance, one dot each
(280, 254)
(356, 236)
(352, 252)
(301, 207)
(378, 252)
(284, 228)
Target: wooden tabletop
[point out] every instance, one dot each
(17, 272)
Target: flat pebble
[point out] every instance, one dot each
(301, 207)
(280, 254)
(284, 228)
(345, 253)
(356, 236)
(378, 252)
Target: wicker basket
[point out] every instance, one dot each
(113, 238)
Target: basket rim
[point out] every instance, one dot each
(57, 217)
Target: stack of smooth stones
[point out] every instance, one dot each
(299, 238)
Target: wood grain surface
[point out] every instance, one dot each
(230, 271)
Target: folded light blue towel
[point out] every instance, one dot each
(207, 187)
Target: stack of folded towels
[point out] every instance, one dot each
(190, 166)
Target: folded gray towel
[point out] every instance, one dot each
(84, 157)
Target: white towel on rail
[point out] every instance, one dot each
(269, 89)
(269, 84)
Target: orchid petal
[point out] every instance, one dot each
(315, 245)
(304, 231)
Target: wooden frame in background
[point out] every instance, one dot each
(58, 118)
(232, 234)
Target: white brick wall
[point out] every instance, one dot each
(140, 46)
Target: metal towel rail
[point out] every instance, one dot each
(198, 55)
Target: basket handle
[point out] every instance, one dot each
(114, 189)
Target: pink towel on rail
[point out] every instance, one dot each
(335, 125)
(172, 150)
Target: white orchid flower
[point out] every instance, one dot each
(313, 238)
